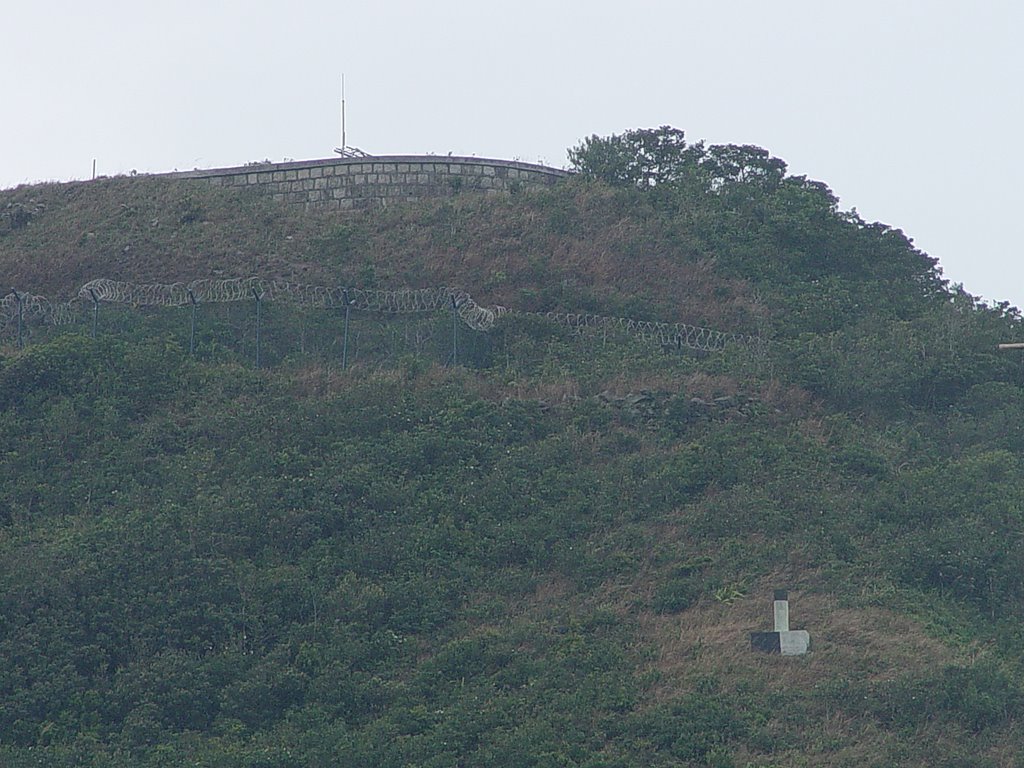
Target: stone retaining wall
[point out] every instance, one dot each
(367, 182)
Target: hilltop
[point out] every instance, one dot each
(549, 554)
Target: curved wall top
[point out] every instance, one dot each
(350, 183)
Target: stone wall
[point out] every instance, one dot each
(366, 182)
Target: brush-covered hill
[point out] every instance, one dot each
(550, 554)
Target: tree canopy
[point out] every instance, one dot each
(650, 157)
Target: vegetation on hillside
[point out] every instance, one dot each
(551, 555)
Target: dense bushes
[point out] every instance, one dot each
(504, 563)
(202, 555)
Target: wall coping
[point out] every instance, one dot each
(336, 161)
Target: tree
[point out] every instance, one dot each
(725, 164)
(644, 157)
(652, 157)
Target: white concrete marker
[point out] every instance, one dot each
(781, 611)
(783, 640)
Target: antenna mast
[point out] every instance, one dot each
(345, 150)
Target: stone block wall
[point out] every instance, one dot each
(367, 182)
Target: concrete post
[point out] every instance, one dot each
(781, 610)
(783, 640)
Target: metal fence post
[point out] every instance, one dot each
(455, 333)
(192, 330)
(344, 342)
(17, 298)
(256, 296)
(95, 311)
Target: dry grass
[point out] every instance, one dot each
(870, 644)
(502, 250)
(866, 644)
(711, 641)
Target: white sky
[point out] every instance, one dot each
(909, 110)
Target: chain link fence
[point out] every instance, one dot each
(271, 321)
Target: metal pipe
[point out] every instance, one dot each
(344, 343)
(192, 330)
(95, 311)
(258, 320)
(17, 297)
(455, 333)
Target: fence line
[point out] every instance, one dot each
(247, 288)
(668, 334)
(15, 306)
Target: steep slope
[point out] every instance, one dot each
(551, 555)
(563, 249)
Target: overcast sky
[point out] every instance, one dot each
(910, 110)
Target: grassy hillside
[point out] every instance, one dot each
(550, 555)
(562, 249)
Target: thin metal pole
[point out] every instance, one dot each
(455, 333)
(17, 297)
(258, 319)
(344, 343)
(95, 311)
(192, 330)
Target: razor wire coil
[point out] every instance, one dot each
(246, 288)
(388, 301)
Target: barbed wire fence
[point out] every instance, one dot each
(21, 311)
